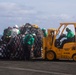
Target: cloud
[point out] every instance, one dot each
(7, 6)
(13, 9)
(56, 17)
(65, 16)
(62, 16)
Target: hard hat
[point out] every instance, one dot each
(43, 29)
(27, 24)
(35, 26)
(9, 27)
(16, 26)
(34, 34)
(67, 29)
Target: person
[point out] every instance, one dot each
(15, 31)
(28, 42)
(7, 34)
(44, 32)
(9, 31)
(69, 37)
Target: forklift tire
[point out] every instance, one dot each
(50, 55)
(74, 57)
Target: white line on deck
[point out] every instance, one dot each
(33, 70)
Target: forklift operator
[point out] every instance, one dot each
(69, 37)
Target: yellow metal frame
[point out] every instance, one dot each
(69, 49)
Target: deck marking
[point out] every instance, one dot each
(33, 70)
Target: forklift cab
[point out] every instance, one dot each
(61, 34)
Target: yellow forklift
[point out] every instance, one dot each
(51, 45)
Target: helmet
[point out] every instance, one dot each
(16, 26)
(35, 26)
(67, 29)
(9, 27)
(34, 34)
(43, 29)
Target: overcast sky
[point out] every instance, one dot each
(45, 13)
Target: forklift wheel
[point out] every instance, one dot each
(74, 57)
(50, 55)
